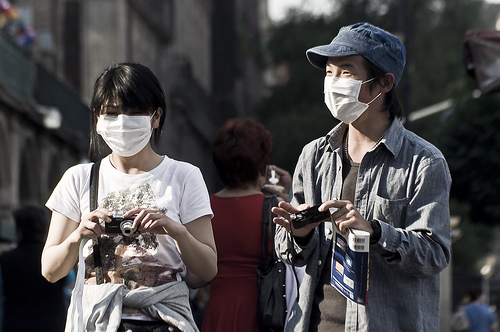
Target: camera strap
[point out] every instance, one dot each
(293, 253)
(94, 185)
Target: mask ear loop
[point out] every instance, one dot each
(371, 79)
(152, 138)
(151, 119)
(153, 115)
(374, 98)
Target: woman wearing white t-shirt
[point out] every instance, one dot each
(166, 200)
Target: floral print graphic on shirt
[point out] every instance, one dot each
(130, 260)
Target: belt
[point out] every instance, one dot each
(129, 325)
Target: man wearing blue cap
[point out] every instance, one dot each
(376, 176)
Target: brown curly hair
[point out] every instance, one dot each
(241, 151)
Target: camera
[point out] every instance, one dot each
(118, 224)
(308, 216)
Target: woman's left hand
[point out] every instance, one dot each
(194, 240)
(154, 221)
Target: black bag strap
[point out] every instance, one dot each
(269, 202)
(94, 185)
(268, 227)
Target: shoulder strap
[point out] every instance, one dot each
(268, 227)
(94, 185)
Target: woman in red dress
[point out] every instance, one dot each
(241, 152)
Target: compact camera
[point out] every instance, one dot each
(308, 216)
(118, 224)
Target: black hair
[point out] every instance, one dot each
(136, 87)
(475, 293)
(392, 102)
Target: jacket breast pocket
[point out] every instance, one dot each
(391, 211)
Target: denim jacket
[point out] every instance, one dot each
(404, 183)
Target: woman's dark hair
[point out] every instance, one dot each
(136, 87)
(392, 101)
(241, 151)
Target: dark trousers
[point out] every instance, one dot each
(145, 326)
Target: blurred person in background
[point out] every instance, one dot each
(241, 151)
(481, 317)
(31, 303)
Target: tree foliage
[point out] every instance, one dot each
(471, 142)
(294, 112)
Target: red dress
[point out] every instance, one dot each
(237, 225)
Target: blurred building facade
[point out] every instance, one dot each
(208, 55)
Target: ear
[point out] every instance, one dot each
(157, 117)
(387, 82)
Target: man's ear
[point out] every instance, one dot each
(387, 82)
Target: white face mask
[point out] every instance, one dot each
(126, 135)
(341, 97)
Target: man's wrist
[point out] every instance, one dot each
(303, 240)
(377, 231)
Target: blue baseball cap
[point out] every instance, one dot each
(380, 47)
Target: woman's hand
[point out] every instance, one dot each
(154, 221)
(63, 241)
(90, 225)
(285, 180)
(284, 177)
(194, 240)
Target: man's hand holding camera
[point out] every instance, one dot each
(285, 211)
(346, 216)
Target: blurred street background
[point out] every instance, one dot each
(218, 59)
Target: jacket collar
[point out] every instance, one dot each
(393, 138)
